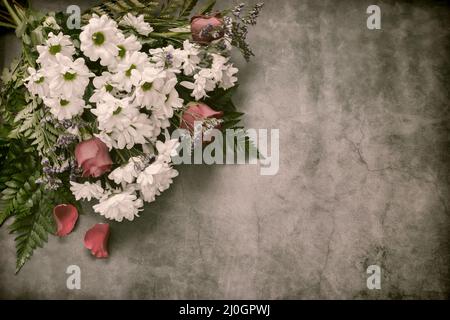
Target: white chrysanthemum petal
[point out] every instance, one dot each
(86, 191)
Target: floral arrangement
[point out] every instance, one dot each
(87, 113)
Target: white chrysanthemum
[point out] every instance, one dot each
(68, 78)
(155, 179)
(87, 190)
(167, 150)
(63, 109)
(37, 83)
(126, 46)
(128, 172)
(158, 123)
(99, 39)
(104, 88)
(191, 58)
(130, 70)
(119, 206)
(137, 23)
(123, 123)
(55, 44)
(150, 90)
(113, 113)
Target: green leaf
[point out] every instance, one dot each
(208, 7)
(187, 8)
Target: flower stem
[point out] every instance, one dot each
(13, 14)
(7, 25)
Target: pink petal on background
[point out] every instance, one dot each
(66, 215)
(96, 240)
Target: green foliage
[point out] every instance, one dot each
(33, 225)
(117, 8)
(30, 125)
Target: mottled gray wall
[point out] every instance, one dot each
(364, 140)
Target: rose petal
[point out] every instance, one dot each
(200, 22)
(96, 239)
(197, 112)
(66, 215)
(93, 156)
(86, 150)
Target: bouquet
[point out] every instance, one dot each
(89, 112)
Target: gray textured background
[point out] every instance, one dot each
(364, 129)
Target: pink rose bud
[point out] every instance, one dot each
(93, 156)
(197, 111)
(96, 240)
(66, 215)
(205, 29)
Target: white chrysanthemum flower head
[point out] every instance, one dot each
(128, 172)
(63, 109)
(137, 23)
(87, 190)
(123, 123)
(155, 179)
(37, 83)
(126, 46)
(130, 70)
(150, 90)
(124, 205)
(99, 39)
(68, 78)
(105, 88)
(55, 44)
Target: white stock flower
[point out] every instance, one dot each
(137, 23)
(130, 70)
(37, 83)
(168, 58)
(68, 78)
(128, 172)
(155, 179)
(99, 39)
(203, 83)
(228, 78)
(55, 44)
(50, 22)
(63, 109)
(119, 206)
(87, 190)
(190, 59)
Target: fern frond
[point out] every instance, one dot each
(117, 8)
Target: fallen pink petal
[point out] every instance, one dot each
(66, 215)
(96, 240)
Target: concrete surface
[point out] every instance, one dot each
(364, 138)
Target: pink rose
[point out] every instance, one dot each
(205, 29)
(197, 111)
(93, 156)
(96, 240)
(66, 215)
